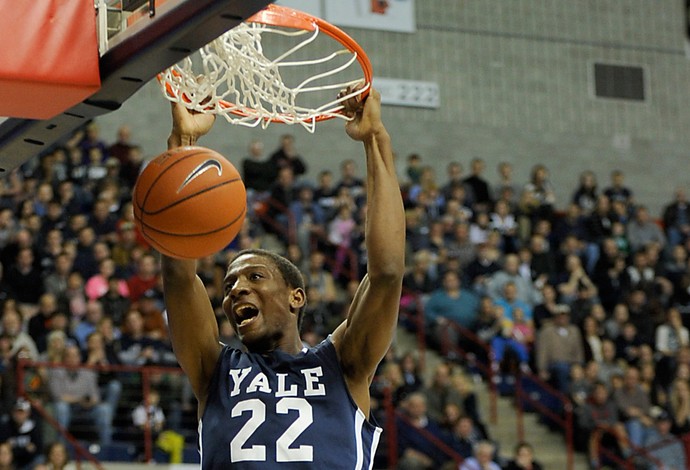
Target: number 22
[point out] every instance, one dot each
(284, 453)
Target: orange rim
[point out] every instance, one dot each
(278, 15)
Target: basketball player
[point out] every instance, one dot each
(281, 405)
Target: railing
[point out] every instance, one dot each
(626, 463)
(565, 421)
(146, 374)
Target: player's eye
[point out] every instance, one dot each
(255, 276)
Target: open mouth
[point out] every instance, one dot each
(245, 314)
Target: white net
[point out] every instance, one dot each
(232, 77)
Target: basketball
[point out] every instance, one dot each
(189, 202)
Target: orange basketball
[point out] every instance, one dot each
(189, 202)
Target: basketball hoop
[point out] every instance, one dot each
(236, 80)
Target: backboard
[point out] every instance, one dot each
(137, 39)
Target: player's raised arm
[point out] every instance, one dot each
(363, 339)
(193, 327)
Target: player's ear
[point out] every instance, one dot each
(297, 298)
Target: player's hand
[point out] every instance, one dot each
(365, 114)
(189, 125)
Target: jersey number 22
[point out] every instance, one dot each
(284, 453)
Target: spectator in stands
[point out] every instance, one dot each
(526, 291)
(114, 303)
(24, 433)
(462, 394)
(574, 281)
(610, 364)
(57, 457)
(39, 324)
(437, 392)
(642, 230)
(416, 451)
(257, 173)
(97, 285)
(21, 342)
(75, 390)
(585, 196)
(121, 147)
(148, 414)
(538, 196)
(667, 450)
(88, 324)
(6, 457)
(599, 416)
(517, 335)
(523, 458)
(617, 191)
(479, 185)
(350, 180)
(136, 348)
(450, 303)
(558, 346)
(56, 343)
(510, 302)
(503, 220)
(459, 246)
(24, 279)
(482, 459)
(465, 436)
(309, 218)
(629, 344)
(634, 406)
(679, 406)
(56, 281)
(146, 277)
(287, 157)
(676, 218)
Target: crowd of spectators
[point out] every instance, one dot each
(591, 294)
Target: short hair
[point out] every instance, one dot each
(290, 273)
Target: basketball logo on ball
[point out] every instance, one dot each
(189, 202)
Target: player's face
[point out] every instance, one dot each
(259, 304)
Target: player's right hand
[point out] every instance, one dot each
(189, 125)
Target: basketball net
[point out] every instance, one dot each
(236, 80)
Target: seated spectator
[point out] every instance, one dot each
(610, 364)
(503, 221)
(39, 324)
(12, 328)
(526, 290)
(634, 407)
(98, 355)
(411, 374)
(676, 219)
(510, 302)
(667, 450)
(482, 267)
(592, 339)
(599, 416)
(97, 285)
(575, 279)
(94, 314)
(6, 457)
(75, 390)
(57, 457)
(523, 458)
(465, 436)
(57, 341)
(416, 451)
(517, 335)
(546, 310)
(670, 337)
(617, 190)
(24, 433)
(642, 230)
(482, 459)
(438, 391)
(614, 325)
(558, 346)
(450, 303)
(628, 344)
(679, 406)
